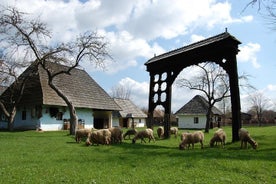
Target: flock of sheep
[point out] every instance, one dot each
(115, 135)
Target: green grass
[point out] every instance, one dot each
(54, 157)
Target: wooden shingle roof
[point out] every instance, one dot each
(79, 87)
(211, 40)
(197, 105)
(128, 107)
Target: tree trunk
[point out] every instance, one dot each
(73, 119)
(208, 118)
(11, 119)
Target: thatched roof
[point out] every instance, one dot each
(197, 105)
(79, 87)
(128, 107)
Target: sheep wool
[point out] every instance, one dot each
(245, 137)
(147, 133)
(192, 138)
(219, 136)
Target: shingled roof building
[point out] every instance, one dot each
(42, 108)
(193, 114)
(129, 114)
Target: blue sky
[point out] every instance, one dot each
(138, 29)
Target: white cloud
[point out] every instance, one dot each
(248, 53)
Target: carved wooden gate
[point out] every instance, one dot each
(221, 49)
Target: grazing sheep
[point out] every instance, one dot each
(219, 136)
(192, 138)
(245, 137)
(116, 134)
(130, 132)
(160, 132)
(147, 133)
(174, 130)
(102, 136)
(81, 133)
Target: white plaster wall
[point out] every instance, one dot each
(187, 121)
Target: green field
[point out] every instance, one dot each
(54, 157)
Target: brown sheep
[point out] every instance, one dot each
(147, 133)
(101, 136)
(245, 137)
(192, 138)
(219, 136)
(160, 132)
(174, 130)
(81, 133)
(116, 134)
(130, 132)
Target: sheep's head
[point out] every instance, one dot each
(255, 145)
(181, 146)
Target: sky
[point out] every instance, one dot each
(136, 30)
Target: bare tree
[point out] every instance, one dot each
(259, 104)
(121, 91)
(213, 82)
(15, 88)
(31, 36)
(269, 7)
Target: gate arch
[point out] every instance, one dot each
(163, 69)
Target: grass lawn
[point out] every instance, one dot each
(54, 157)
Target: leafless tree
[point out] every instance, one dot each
(31, 37)
(15, 88)
(121, 91)
(259, 104)
(269, 13)
(213, 82)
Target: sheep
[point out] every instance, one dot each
(130, 132)
(101, 136)
(174, 130)
(116, 134)
(219, 136)
(81, 133)
(245, 137)
(160, 132)
(147, 133)
(191, 138)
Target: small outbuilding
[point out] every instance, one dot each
(130, 115)
(193, 114)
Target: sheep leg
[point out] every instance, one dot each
(201, 144)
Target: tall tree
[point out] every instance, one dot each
(121, 91)
(259, 104)
(32, 38)
(267, 8)
(213, 82)
(15, 88)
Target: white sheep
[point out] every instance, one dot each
(174, 130)
(116, 134)
(81, 133)
(147, 133)
(192, 138)
(101, 136)
(219, 136)
(160, 132)
(130, 132)
(245, 137)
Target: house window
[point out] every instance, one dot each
(140, 120)
(24, 115)
(195, 120)
(59, 116)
